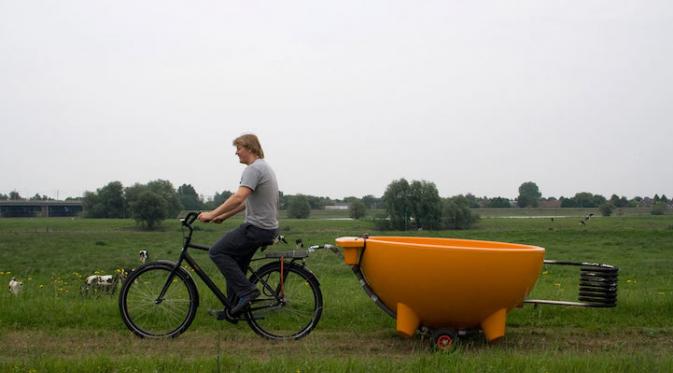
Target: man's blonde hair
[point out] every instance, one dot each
(250, 142)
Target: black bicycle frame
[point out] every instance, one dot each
(185, 257)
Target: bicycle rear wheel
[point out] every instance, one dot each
(148, 316)
(287, 309)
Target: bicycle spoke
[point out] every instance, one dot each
(146, 315)
(299, 307)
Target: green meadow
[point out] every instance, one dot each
(50, 326)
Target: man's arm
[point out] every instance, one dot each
(228, 208)
(227, 215)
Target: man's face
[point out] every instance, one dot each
(243, 154)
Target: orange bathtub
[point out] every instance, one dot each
(445, 283)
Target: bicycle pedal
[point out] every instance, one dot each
(220, 314)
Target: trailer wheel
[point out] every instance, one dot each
(444, 340)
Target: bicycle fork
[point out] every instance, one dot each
(169, 281)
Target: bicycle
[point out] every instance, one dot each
(160, 299)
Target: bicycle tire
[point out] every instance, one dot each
(294, 315)
(148, 318)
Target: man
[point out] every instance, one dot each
(257, 194)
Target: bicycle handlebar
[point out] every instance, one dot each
(188, 220)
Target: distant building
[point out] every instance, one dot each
(338, 206)
(29, 209)
(549, 204)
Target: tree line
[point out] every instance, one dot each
(406, 205)
(149, 204)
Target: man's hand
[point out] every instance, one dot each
(206, 217)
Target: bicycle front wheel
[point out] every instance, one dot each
(148, 314)
(289, 306)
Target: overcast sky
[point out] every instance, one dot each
(346, 96)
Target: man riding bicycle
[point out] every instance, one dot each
(257, 194)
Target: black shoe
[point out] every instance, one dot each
(223, 315)
(244, 302)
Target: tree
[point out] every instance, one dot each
(529, 195)
(105, 202)
(357, 209)
(218, 199)
(418, 202)
(15, 196)
(618, 202)
(599, 200)
(298, 207)
(567, 202)
(165, 189)
(584, 199)
(425, 204)
(371, 202)
(91, 205)
(318, 203)
(149, 204)
(498, 202)
(456, 213)
(3, 197)
(397, 204)
(473, 201)
(350, 199)
(112, 198)
(283, 200)
(149, 209)
(189, 198)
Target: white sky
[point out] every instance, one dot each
(346, 96)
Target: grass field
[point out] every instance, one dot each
(51, 327)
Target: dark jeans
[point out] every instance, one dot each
(232, 254)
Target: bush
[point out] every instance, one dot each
(606, 209)
(381, 222)
(659, 208)
(298, 207)
(357, 209)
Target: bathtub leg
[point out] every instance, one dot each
(494, 325)
(407, 320)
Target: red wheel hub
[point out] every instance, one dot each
(444, 342)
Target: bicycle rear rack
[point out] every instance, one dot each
(597, 286)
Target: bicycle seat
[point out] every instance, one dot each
(288, 254)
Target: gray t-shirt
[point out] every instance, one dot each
(261, 207)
